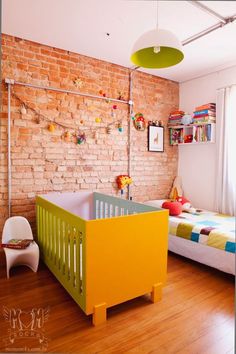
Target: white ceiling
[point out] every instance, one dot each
(81, 26)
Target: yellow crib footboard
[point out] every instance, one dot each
(119, 255)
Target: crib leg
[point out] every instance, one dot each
(99, 314)
(156, 293)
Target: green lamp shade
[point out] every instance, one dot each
(157, 49)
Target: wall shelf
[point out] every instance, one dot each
(192, 134)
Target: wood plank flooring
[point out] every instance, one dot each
(195, 316)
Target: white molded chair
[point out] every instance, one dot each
(19, 227)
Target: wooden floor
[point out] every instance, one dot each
(195, 316)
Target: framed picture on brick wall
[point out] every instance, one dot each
(155, 138)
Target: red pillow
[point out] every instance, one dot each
(175, 208)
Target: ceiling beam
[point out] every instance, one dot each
(206, 9)
(208, 30)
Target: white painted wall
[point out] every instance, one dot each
(197, 163)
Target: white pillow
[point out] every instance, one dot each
(155, 203)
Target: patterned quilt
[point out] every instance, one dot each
(211, 229)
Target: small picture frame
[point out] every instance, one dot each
(155, 138)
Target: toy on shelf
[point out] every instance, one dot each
(188, 138)
(176, 136)
(186, 119)
(156, 123)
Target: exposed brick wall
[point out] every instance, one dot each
(44, 162)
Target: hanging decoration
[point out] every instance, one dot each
(51, 128)
(98, 120)
(69, 131)
(120, 96)
(119, 126)
(37, 120)
(139, 122)
(95, 135)
(23, 109)
(81, 138)
(78, 82)
(67, 136)
(108, 130)
(102, 93)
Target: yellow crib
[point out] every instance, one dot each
(104, 250)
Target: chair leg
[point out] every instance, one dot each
(8, 272)
(99, 314)
(34, 266)
(156, 293)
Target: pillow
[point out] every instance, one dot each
(157, 203)
(175, 208)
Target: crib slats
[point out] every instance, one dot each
(46, 233)
(62, 248)
(50, 235)
(71, 256)
(117, 207)
(59, 238)
(77, 258)
(54, 238)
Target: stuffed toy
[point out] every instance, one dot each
(123, 180)
(176, 190)
(186, 205)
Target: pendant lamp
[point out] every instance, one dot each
(156, 49)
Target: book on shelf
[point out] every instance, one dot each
(204, 115)
(203, 133)
(204, 119)
(206, 106)
(175, 117)
(204, 111)
(208, 127)
(176, 112)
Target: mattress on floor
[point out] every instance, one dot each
(207, 228)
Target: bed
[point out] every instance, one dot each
(102, 249)
(205, 237)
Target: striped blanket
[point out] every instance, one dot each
(208, 228)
